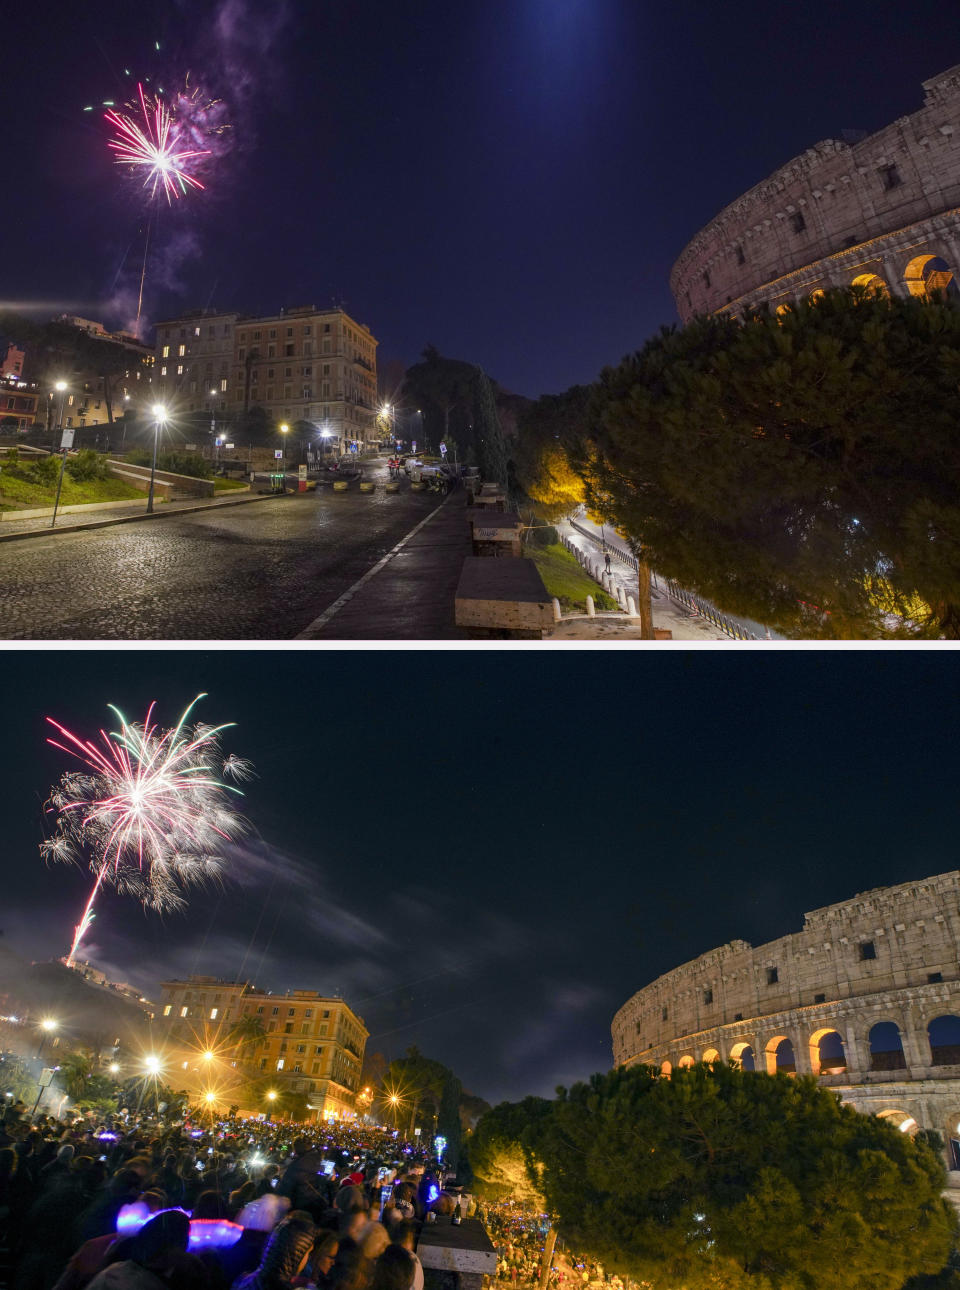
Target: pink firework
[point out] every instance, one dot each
(150, 809)
(157, 147)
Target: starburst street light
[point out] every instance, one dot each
(159, 419)
(47, 1027)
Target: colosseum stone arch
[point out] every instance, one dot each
(883, 210)
(866, 997)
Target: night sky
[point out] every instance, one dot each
(510, 180)
(486, 855)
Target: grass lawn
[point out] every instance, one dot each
(226, 485)
(21, 494)
(563, 578)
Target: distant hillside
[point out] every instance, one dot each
(87, 1014)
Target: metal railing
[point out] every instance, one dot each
(690, 601)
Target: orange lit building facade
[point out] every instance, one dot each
(312, 1043)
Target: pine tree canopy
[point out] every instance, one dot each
(802, 469)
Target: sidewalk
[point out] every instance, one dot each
(667, 614)
(10, 529)
(410, 593)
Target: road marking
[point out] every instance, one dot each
(338, 604)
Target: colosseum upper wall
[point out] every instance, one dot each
(880, 210)
(866, 996)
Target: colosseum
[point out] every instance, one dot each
(879, 210)
(866, 998)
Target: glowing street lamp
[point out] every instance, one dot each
(282, 481)
(159, 419)
(152, 1066)
(47, 1027)
(62, 387)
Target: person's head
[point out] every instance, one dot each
(8, 1162)
(395, 1270)
(288, 1249)
(405, 1234)
(209, 1204)
(324, 1254)
(352, 1224)
(242, 1194)
(301, 1146)
(373, 1240)
(168, 1233)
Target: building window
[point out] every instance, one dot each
(308, 1013)
(256, 335)
(867, 951)
(241, 354)
(934, 978)
(318, 1051)
(274, 1012)
(306, 371)
(260, 1010)
(315, 1068)
(708, 996)
(181, 350)
(663, 1014)
(271, 1026)
(183, 1011)
(165, 352)
(297, 1068)
(291, 1012)
(263, 1063)
(163, 372)
(196, 331)
(301, 1048)
(326, 327)
(179, 369)
(706, 278)
(797, 222)
(283, 1045)
(288, 1028)
(270, 372)
(213, 1013)
(738, 1016)
(288, 351)
(891, 177)
(773, 976)
(819, 998)
(280, 1062)
(307, 330)
(223, 385)
(741, 258)
(271, 351)
(305, 1028)
(167, 1010)
(272, 333)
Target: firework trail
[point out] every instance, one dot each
(151, 810)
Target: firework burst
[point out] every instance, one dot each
(157, 145)
(150, 811)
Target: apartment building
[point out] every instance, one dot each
(312, 1043)
(302, 364)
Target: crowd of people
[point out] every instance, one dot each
(122, 1203)
(519, 1234)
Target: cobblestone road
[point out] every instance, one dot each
(257, 572)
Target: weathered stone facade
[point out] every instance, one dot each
(866, 997)
(884, 211)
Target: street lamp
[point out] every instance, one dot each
(284, 430)
(47, 1027)
(159, 419)
(151, 1066)
(62, 387)
(271, 1098)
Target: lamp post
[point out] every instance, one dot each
(159, 419)
(284, 430)
(62, 387)
(47, 1027)
(151, 1067)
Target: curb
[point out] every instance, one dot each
(133, 519)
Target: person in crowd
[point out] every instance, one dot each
(156, 1257)
(394, 1271)
(285, 1256)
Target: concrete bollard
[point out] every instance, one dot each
(340, 486)
(631, 607)
(620, 596)
(366, 487)
(591, 612)
(556, 610)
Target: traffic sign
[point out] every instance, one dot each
(278, 453)
(66, 438)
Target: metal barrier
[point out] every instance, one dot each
(691, 602)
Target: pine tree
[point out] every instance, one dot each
(803, 469)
